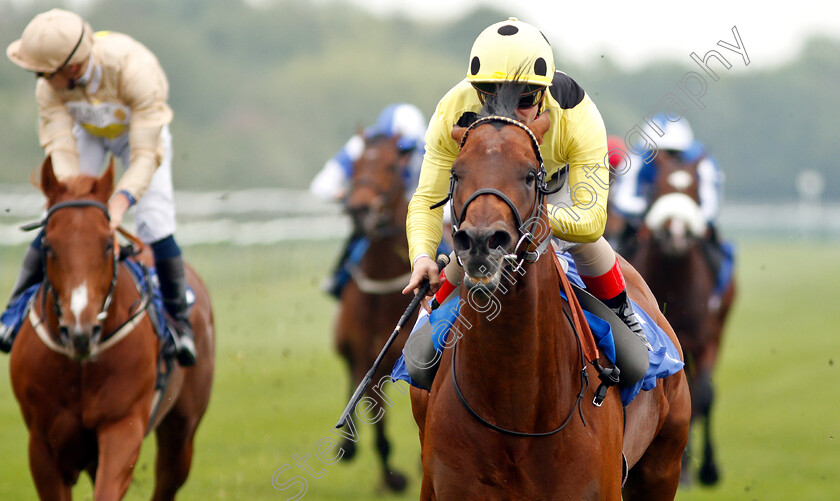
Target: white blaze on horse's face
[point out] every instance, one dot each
(677, 206)
(676, 219)
(680, 180)
(79, 301)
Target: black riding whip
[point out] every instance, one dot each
(442, 261)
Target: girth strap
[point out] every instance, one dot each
(587, 340)
(608, 375)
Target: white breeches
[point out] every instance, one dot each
(154, 215)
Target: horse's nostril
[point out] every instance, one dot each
(63, 331)
(461, 241)
(499, 240)
(96, 330)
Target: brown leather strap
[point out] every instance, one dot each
(587, 340)
(133, 239)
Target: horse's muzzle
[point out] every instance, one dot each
(481, 252)
(80, 340)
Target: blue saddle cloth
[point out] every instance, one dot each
(727, 268)
(16, 313)
(664, 359)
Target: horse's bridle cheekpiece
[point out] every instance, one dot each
(520, 255)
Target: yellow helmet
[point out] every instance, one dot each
(511, 49)
(51, 41)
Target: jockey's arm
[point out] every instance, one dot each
(711, 181)
(55, 131)
(331, 183)
(581, 140)
(625, 194)
(145, 90)
(424, 226)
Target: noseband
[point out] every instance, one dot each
(520, 254)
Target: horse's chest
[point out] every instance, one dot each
(475, 463)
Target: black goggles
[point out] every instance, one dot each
(48, 75)
(531, 95)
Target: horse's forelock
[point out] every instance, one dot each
(504, 101)
(80, 185)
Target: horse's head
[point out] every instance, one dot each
(497, 193)
(79, 254)
(376, 199)
(674, 219)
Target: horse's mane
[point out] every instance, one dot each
(504, 101)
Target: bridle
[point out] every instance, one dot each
(37, 323)
(103, 314)
(521, 253)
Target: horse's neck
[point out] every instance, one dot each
(680, 268)
(519, 356)
(672, 277)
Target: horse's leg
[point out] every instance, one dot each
(686, 476)
(347, 444)
(427, 493)
(49, 481)
(709, 474)
(119, 446)
(394, 480)
(347, 351)
(174, 457)
(656, 476)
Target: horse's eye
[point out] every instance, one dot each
(530, 178)
(454, 176)
(109, 247)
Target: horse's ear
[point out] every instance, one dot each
(105, 184)
(50, 184)
(540, 125)
(458, 133)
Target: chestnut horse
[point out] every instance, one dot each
(371, 303)
(84, 364)
(519, 421)
(670, 256)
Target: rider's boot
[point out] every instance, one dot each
(173, 288)
(335, 282)
(31, 273)
(611, 290)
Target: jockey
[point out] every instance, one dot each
(633, 188)
(331, 184)
(98, 93)
(503, 52)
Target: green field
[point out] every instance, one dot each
(279, 386)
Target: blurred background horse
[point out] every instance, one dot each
(372, 302)
(676, 255)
